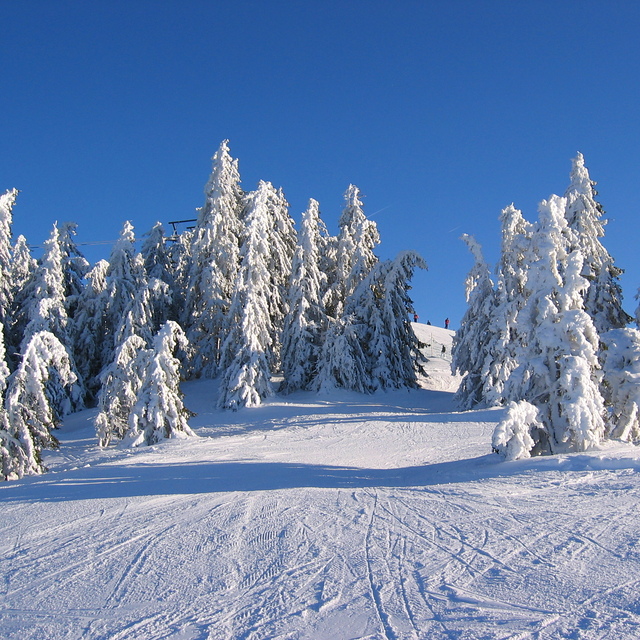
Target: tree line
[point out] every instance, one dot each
(242, 297)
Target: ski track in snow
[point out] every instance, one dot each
(350, 517)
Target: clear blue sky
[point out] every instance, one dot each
(441, 112)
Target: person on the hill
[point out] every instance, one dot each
(446, 323)
(415, 317)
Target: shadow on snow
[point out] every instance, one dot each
(117, 481)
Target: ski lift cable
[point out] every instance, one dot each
(91, 243)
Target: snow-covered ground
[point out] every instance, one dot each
(324, 517)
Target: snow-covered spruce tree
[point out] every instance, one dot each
(17, 457)
(510, 297)
(179, 257)
(46, 312)
(7, 202)
(159, 412)
(45, 308)
(372, 346)
(354, 255)
(343, 362)
(121, 382)
(393, 347)
(125, 277)
(470, 351)
(88, 328)
(558, 367)
(157, 262)
(23, 269)
(603, 298)
(620, 358)
(306, 321)
(247, 350)
(37, 397)
(215, 258)
(74, 266)
(147, 312)
(282, 243)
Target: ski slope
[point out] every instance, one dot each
(324, 517)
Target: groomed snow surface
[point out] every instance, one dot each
(324, 517)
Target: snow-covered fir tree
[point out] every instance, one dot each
(281, 241)
(7, 202)
(74, 266)
(215, 258)
(46, 312)
(471, 343)
(558, 367)
(620, 359)
(178, 253)
(37, 397)
(148, 311)
(88, 330)
(158, 264)
(159, 412)
(125, 278)
(121, 382)
(45, 308)
(343, 361)
(17, 456)
(23, 269)
(247, 351)
(306, 320)
(393, 346)
(603, 297)
(155, 254)
(372, 346)
(354, 247)
(510, 297)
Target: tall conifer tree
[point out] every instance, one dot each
(306, 320)
(584, 215)
(248, 348)
(215, 258)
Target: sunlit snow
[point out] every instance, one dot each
(332, 517)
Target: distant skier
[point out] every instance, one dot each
(446, 323)
(444, 350)
(415, 317)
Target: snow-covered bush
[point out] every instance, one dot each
(516, 436)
